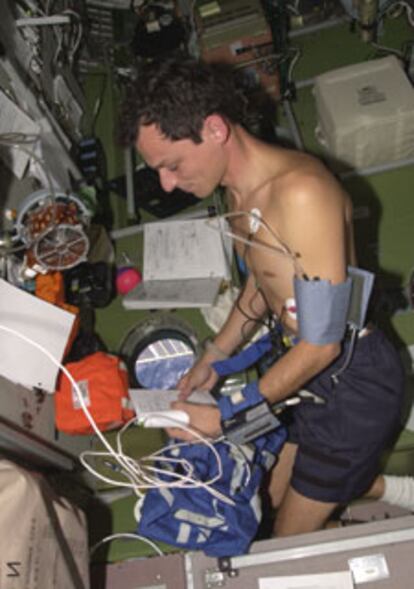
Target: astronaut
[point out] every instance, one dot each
(293, 223)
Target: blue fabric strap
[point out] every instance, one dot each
(249, 396)
(245, 358)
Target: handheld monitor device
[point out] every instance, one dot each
(252, 422)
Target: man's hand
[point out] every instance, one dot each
(201, 376)
(203, 418)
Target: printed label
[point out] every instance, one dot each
(84, 391)
(370, 95)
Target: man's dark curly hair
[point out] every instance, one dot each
(177, 95)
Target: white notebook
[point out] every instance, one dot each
(146, 401)
(185, 262)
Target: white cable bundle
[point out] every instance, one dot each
(141, 474)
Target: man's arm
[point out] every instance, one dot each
(243, 320)
(290, 373)
(313, 220)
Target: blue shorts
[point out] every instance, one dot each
(340, 444)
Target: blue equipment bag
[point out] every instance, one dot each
(196, 519)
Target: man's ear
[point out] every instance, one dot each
(215, 128)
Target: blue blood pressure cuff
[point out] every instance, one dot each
(324, 309)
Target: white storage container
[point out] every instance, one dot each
(366, 113)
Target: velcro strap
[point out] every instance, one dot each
(245, 358)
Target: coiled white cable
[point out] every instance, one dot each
(126, 536)
(140, 477)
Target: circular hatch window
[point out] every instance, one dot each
(159, 351)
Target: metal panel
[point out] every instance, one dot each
(160, 572)
(319, 552)
(27, 428)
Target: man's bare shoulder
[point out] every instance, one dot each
(303, 181)
(306, 214)
(305, 201)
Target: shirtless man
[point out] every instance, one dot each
(186, 120)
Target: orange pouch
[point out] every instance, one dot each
(103, 381)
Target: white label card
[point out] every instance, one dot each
(369, 568)
(337, 580)
(83, 389)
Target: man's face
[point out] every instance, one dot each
(192, 167)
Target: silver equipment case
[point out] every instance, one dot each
(379, 554)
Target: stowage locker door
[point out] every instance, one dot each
(378, 554)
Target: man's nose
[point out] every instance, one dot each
(168, 180)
